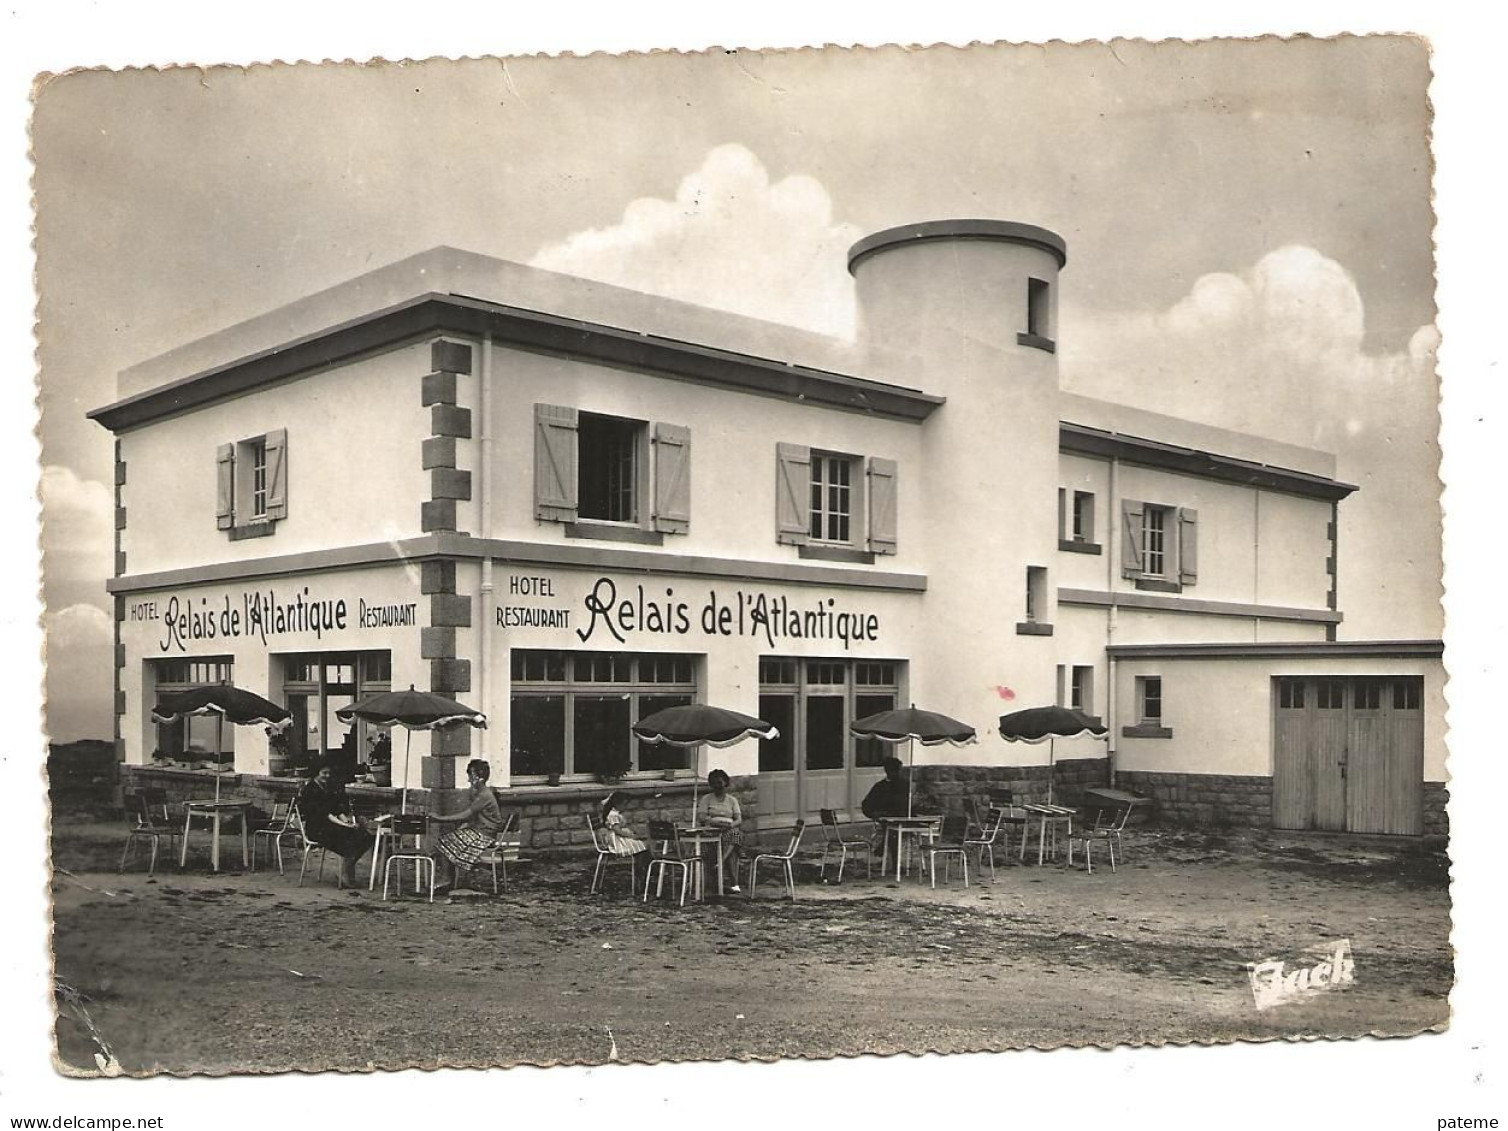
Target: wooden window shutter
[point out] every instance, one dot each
(793, 485)
(555, 463)
(225, 486)
(1062, 699)
(277, 474)
(1132, 537)
(882, 506)
(1188, 546)
(672, 503)
(1064, 531)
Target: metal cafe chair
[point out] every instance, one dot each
(281, 825)
(1101, 829)
(984, 844)
(1014, 821)
(836, 842)
(665, 852)
(784, 858)
(951, 842)
(504, 850)
(147, 820)
(308, 848)
(406, 827)
(606, 857)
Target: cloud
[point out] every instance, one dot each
(78, 525)
(732, 240)
(80, 655)
(1277, 351)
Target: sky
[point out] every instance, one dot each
(1248, 224)
(156, 248)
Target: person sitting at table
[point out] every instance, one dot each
(325, 811)
(720, 810)
(890, 796)
(619, 837)
(481, 819)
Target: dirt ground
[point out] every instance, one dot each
(189, 972)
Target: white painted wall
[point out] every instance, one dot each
(1220, 711)
(146, 635)
(733, 439)
(354, 474)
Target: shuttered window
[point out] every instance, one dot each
(607, 469)
(251, 484)
(832, 499)
(1159, 544)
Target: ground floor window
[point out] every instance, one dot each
(316, 685)
(571, 711)
(191, 739)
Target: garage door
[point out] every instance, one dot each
(1348, 754)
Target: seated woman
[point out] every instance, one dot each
(481, 820)
(325, 811)
(617, 834)
(721, 810)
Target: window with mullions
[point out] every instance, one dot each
(832, 498)
(191, 739)
(571, 713)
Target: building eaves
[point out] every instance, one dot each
(1326, 649)
(1082, 440)
(522, 329)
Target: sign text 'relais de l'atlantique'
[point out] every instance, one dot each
(263, 613)
(738, 613)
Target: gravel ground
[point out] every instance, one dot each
(189, 972)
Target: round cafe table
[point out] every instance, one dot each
(214, 812)
(918, 826)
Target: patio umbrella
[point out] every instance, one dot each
(413, 710)
(1046, 724)
(694, 725)
(909, 725)
(227, 703)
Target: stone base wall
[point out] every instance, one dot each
(1203, 799)
(1436, 818)
(550, 818)
(943, 788)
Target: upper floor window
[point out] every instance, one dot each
(1037, 610)
(608, 468)
(251, 484)
(1076, 521)
(832, 498)
(834, 505)
(632, 476)
(1039, 329)
(1159, 545)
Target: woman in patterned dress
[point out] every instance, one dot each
(720, 810)
(480, 821)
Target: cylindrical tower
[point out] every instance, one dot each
(975, 302)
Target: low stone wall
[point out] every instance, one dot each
(1436, 818)
(550, 818)
(943, 788)
(1203, 799)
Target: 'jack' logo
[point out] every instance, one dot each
(1273, 982)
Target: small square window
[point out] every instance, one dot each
(1083, 517)
(1081, 689)
(1149, 699)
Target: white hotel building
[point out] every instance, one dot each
(569, 504)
